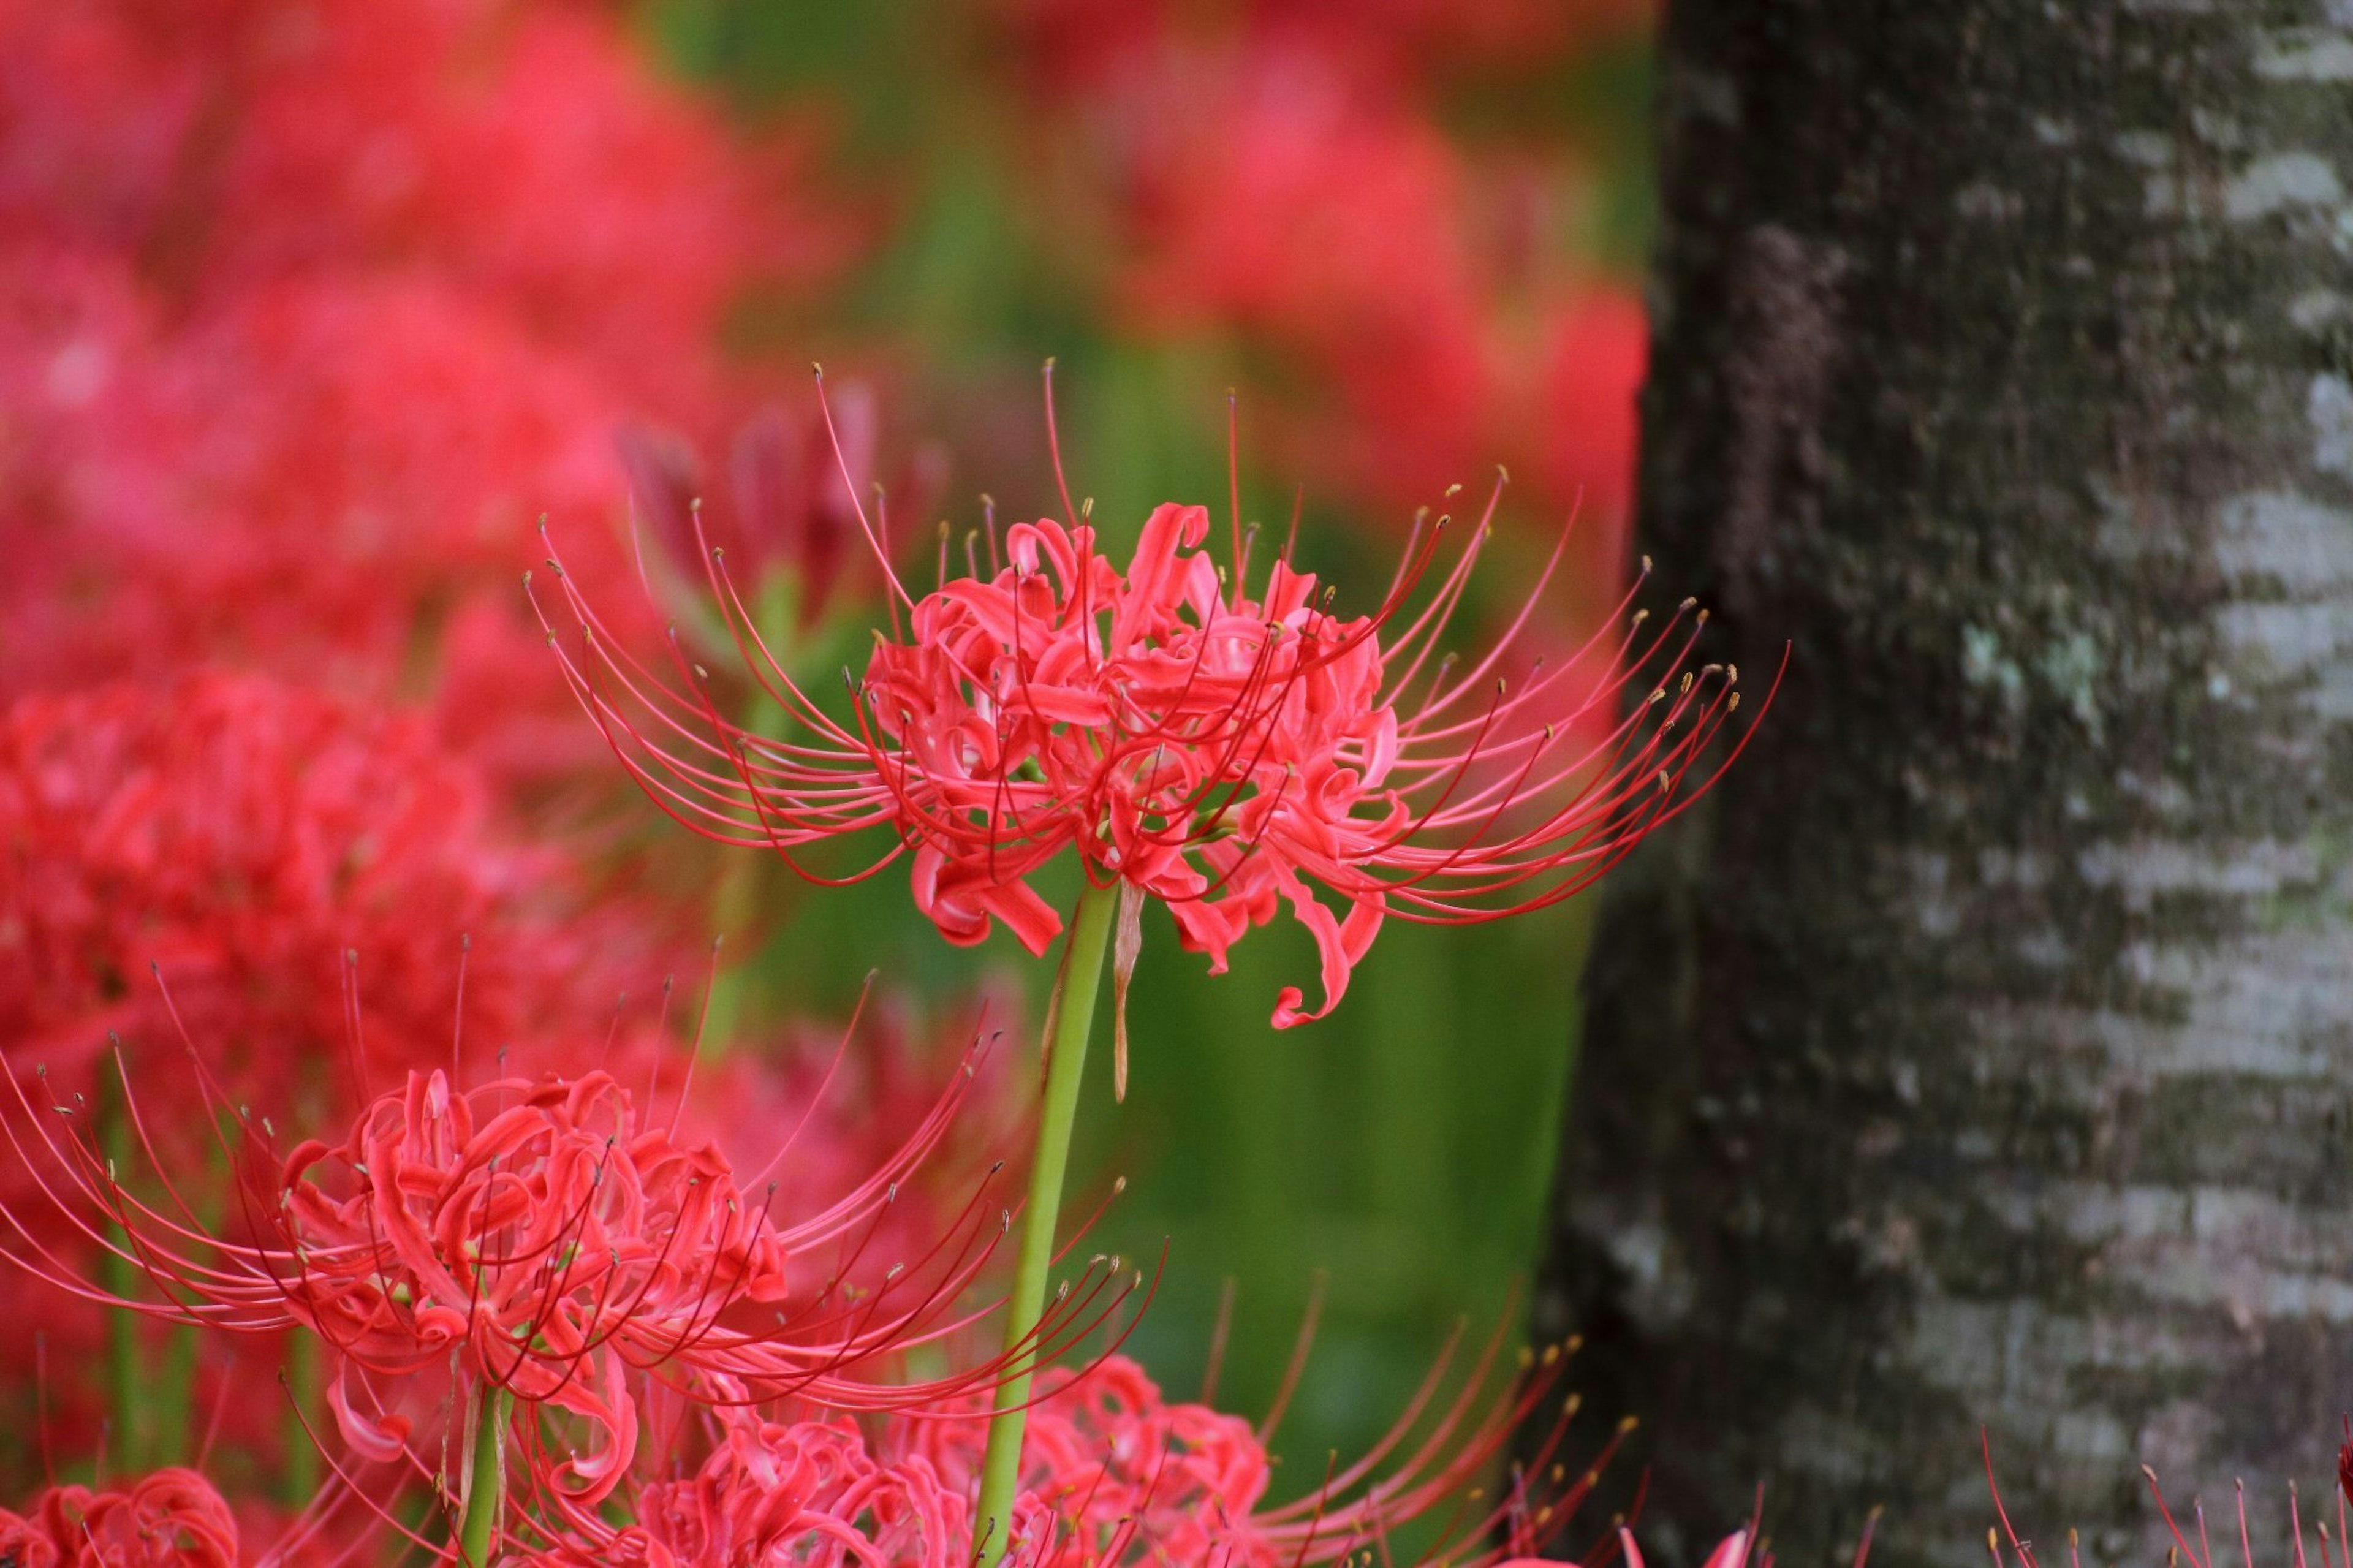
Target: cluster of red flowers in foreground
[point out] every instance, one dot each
(1115, 1473)
(170, 1517)
(547, 1256)
(232, 860)
(535, 1236)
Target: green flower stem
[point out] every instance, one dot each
(486, 1489)
(1074, 1016)
(126, 1361)
(300, 1483)
(172, 1424)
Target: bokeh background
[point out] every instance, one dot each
(313, 309)
(1408, 237)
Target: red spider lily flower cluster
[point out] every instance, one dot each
(243, 835)
(547, 1238)
(806, 1491)
(308, 309)
(1110, 1462)
(1274, 174)
(272, 853)
(1114, 1474)
(173, 1518)
(1224, 753)
(560, 1243)
(1370, 276)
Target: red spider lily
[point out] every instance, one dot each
(1109, 1465)
(1275, 174)
(250, 837)
(815, 1492)
(173, 1518)
(1222, 752)
(1114, 1474)
(1264, 190)
(1739, 1550)
(520, 148)
(1421, 38)
(783, 513)
(307, 310)
(539, 1236)
(324, 475)
(246, 834)
(807, 1492)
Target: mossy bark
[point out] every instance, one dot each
(1982, 1053)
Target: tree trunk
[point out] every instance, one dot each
(1979, 1055)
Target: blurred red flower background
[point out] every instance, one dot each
(311, 309)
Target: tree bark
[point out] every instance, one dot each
(1978, 1054)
